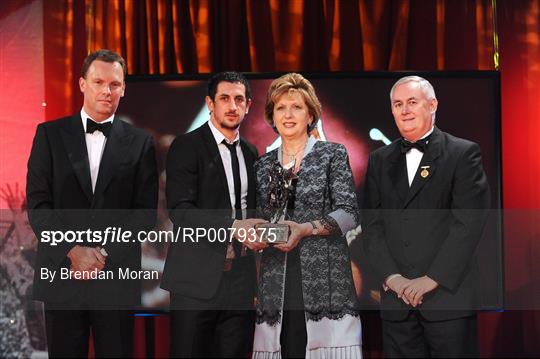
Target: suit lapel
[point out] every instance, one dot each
(116, 148)
(427, 166)
(215, 157)
(75, 143)
(249, 160)
(397, 172)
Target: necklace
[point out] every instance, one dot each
(292, 156)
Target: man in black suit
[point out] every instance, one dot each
(90, 171)
(210, 186)
(425, 206)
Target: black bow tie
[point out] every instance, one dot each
(420, 145)
(104, 128)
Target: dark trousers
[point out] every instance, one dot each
(68, 332)
(416, 337)
(220, 327)
(293, 337)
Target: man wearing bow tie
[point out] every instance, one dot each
(91, 171)
(425, 206)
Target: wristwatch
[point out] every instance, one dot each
(315, 230)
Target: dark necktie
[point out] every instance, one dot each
(237, 191)
(420, 145)
(92, 126)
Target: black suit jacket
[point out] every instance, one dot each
(60, 198)
(198, 197)
(431, 228)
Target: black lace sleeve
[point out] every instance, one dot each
(331, 225)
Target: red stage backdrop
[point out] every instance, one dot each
(22, 93)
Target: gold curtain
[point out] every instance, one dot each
(201, 36)
(198, 36)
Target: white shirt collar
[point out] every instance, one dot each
(428, 133)
(84, 116)
(218, 136)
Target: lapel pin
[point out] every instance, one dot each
(424, 172)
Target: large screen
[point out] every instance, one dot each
(356, 113)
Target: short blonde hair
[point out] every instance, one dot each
(292, 83)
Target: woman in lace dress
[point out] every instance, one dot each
(307, 305)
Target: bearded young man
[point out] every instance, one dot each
(210, 185)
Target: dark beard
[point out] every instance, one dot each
(224, 124)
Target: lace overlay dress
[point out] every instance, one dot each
(324, 191)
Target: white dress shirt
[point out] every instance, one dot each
(227, 165)
(95, 144)
(414, 157)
